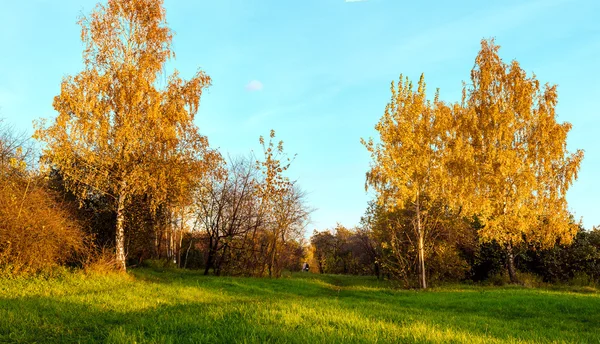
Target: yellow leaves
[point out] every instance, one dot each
(499, 154)
(521, 164)
(411, 156)
(113, 125)
(275, 185)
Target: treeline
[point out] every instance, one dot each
(381, 247)
(246, 218)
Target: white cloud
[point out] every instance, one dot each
(254, 85)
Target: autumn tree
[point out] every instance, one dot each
(521, 169)
(322, 245)
(393, 243)
(409, 164)
(281, 200)
(116, 132)
(15, 148)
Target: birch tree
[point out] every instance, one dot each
(408, 168)
(521, 169)
(116, 133)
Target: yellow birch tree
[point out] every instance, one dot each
(408, 168)
(521, 169)
(116, 133)
(273, 189)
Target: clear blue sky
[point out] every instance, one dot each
(318, 72)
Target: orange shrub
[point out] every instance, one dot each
(36, 231)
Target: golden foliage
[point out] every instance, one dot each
(522, 169)
(409, 161)
(281, 202)
(116, 133)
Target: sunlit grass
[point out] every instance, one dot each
(185, 307)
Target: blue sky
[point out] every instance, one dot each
(318, 72)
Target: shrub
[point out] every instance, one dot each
(102, 261)
(581, 279)
(36, 231)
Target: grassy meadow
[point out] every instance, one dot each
(151, 306)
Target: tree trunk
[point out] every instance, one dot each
(180, 241)
(170, 228)
(156, 247)
(421, 248)
(222, 259)
(320, 264)
(187, 252)
(423, 280)
(120, 233)
(273, 254)
(209, 259)
(510, 264)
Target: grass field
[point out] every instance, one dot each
(148, 306)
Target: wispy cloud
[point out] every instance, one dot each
(254, 85)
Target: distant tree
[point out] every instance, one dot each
(323, 246)
(281, 200)
(15, 148)
(366, 252)
(409, 164)
(519, 168)
(344, 251)
(117, 134)
(252, 217)
(225, 210)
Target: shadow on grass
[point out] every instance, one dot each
(504, 313)
(169, 307)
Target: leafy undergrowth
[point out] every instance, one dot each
(149, 306)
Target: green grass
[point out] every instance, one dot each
(148, 306)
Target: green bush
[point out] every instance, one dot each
(581, 279)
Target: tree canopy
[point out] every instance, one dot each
(499, 155)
